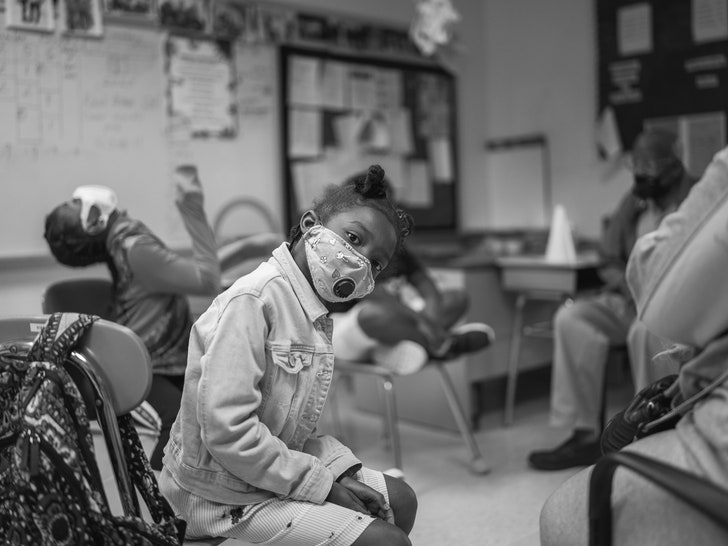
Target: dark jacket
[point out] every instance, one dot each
(620, 235)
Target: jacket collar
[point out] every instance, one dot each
(312, 305)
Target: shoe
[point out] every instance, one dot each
(573, 452)
(466, 338)
(404, 358)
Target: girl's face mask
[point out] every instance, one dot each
(339, 272)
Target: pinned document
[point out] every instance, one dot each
(560, 247)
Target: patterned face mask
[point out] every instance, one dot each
(339, 272)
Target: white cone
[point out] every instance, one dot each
(560, 247)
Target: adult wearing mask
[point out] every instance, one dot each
(150, 282)
(586, 328)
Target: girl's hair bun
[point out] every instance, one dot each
(372, 185)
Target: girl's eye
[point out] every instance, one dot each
(353, 237)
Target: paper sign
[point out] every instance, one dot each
(418, 188)
(710, 20)
(304, 81)
(440, 156)
(634, 25)
(333, 85)
(305, 133)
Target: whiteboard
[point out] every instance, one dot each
(518, 192)
(80, 111)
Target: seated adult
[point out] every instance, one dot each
(677, 276)
(150, 281)
(586, 328)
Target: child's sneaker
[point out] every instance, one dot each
(404, 358)
(466, 338)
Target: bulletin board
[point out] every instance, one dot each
(341, 113)
(665, 63)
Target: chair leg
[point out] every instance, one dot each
(110, 428)
(390, 408)
(478, 463)
(513, 358)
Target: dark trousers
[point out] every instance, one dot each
(165, 397)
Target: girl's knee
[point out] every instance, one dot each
(403, 501)
(380, 532)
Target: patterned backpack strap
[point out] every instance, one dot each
(144, 480)
(59, 336)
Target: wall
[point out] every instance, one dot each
(540, 73)
(525, 66)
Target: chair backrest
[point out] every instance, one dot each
(110, 352)
(89, 296)
(248, 211)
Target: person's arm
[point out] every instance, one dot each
(160, 269)
(665, 271)
(612, 252)
(232, 367)
(336, 456)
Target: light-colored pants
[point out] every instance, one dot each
(278, 521)
(584, 331)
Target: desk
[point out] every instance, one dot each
(533, 278)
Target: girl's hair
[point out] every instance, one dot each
(364, 190)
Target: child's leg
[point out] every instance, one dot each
(284, 522)
(390, 322)
(454, 305)
(403, 501)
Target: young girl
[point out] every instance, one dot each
(244, 460)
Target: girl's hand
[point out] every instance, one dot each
(374, 501)
(187, 182)
(345, 497)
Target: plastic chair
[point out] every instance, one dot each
(706, 497)
(88, 296)
(247, 204)
(113, 371)
(386, 377)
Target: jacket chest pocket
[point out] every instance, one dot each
(290, 383)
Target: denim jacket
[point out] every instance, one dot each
(259, 368)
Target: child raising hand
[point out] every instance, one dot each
(244, 459)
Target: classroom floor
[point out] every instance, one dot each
(500, 508)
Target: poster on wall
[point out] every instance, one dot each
(185, 15)
(80, 17)
(131, 11)
(30, 15)
(201, 85)
(229, 19)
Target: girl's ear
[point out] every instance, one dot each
(308, 220)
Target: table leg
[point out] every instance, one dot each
(514, 355)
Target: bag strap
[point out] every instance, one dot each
(59, 336)
(146, 483)
(683, 407)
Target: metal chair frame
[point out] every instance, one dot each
(478, 463)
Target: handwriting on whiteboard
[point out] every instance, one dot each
(65, 96)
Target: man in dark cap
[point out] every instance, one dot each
(586, 328)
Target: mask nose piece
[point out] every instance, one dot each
(344, 287)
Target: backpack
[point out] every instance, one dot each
(51, 491)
